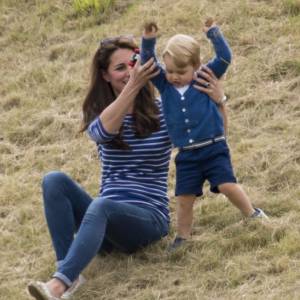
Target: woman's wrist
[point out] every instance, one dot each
(131, 89)
(222, 100)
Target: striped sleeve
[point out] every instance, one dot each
(97, 132)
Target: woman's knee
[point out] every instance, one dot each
(53, 185)
(53, 179)
(102, 206)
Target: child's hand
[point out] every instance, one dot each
(150, 30)
(209, 23)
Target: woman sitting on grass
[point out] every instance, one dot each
(131, 211)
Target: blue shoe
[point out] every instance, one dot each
(259, 213)
(178, 242)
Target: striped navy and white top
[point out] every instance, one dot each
(138, 175)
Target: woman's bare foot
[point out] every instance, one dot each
(56, 287)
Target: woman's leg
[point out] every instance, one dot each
(130, 227)
(126, 226)
(65, 204)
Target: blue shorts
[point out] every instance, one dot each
(193, 167)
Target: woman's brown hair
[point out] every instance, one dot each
(100, 94)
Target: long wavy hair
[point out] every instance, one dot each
(101, 94)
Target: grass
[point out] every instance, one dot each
(92, 6)
(292, 7)
(45, 54)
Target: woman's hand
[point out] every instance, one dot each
(140, 74)
(209, 84)
(113, 115)
(212, 86)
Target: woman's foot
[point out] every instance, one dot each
(73, 288)
(52, 290)
(39, 291)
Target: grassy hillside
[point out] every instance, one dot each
(45, 55)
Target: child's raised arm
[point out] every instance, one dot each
(148, 42)
(208, 24)
(148, 51)
(150, 30)
(221, 61)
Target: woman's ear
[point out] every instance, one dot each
(105, 76)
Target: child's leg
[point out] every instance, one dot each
(189, 183)
(238, 197)
(184, 212)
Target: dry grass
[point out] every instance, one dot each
(45, 52)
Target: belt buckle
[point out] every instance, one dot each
(198, 145)
(204, 143)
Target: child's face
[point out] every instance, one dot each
(178, 76)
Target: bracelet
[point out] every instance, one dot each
(223, 100)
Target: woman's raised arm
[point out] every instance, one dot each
(113, 115)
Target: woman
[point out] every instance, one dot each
(122, 116)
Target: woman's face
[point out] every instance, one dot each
(117, 73)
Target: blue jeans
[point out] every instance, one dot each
(99, 225)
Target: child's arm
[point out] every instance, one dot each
(150, 30)
(148, 51)
(222, 59)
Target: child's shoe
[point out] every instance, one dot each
(178, 242)
(73, 288)
(259, 213)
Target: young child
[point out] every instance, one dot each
(195, 124)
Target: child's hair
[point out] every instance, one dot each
(184, 50)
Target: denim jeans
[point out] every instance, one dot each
(80, 227)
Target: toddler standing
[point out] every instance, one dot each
(195, 124)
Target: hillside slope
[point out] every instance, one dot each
(45, 55)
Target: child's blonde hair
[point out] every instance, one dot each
(184, 50)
